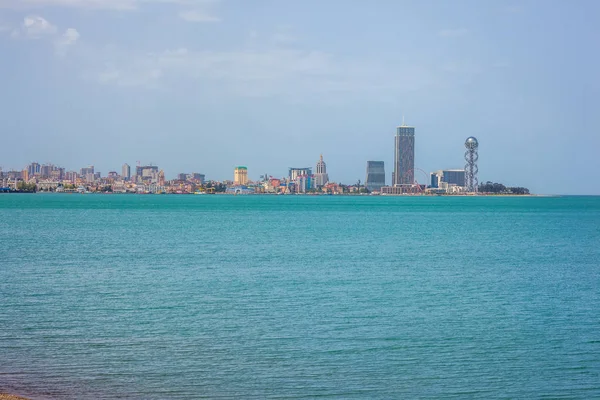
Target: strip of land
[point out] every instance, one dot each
(5, 396)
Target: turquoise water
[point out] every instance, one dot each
(156, 297)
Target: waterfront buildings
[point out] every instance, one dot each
(399, 189)
(301, 178)
(436, 179)
(199, 178)
(71, 176)
(450, 181)
(449, 176)
(146, 173)
(321, 178)
(34, 169)
(296, 172)
(86, 171)
(454, 176)
(404, 156)
(126, 172)
(45, 171)
(375, 176)
(303, 183)
(240, 176)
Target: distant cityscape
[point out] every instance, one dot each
(150, 179)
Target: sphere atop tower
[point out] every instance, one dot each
(471, 143)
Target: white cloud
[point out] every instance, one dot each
(98, 4)
(90, 4)
(198, 16)
(453, 32)
(67, 39)
(292, 73)
(35, 27)
(190, 10)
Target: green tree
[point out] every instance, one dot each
(23, 186)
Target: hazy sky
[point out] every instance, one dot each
(203, 86)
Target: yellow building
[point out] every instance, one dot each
(240, 176)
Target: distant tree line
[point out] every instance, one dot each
(23, 186)
(498, 188)
(219, 187)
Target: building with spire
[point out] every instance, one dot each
(321, 177)
(404, 155)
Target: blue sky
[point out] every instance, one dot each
(205, 85)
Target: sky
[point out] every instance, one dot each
(206, 85)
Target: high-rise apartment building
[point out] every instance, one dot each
(296, 172)
(240, 176)
(375, 176)
(303, 183)
(436, 179)
(454, 176)
(126, 172)
(321, 178)
(146, 173)
(404, 156)
(46, 171)
(33, 169)
(57, 173)
(199, 178)
(71, 176)
(87, 171)
(450, 176)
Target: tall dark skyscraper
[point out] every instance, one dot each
(404, 156)
(375, 176)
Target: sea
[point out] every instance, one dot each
(299, 297)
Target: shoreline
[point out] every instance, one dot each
(7, 396)
(315, 194)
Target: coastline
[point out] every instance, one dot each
(316, 194)
(6, 396)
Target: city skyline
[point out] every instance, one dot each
(404, 146)
(200, 86)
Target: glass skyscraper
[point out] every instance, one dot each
(375, 176)
(404, 156)
(454, 176)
